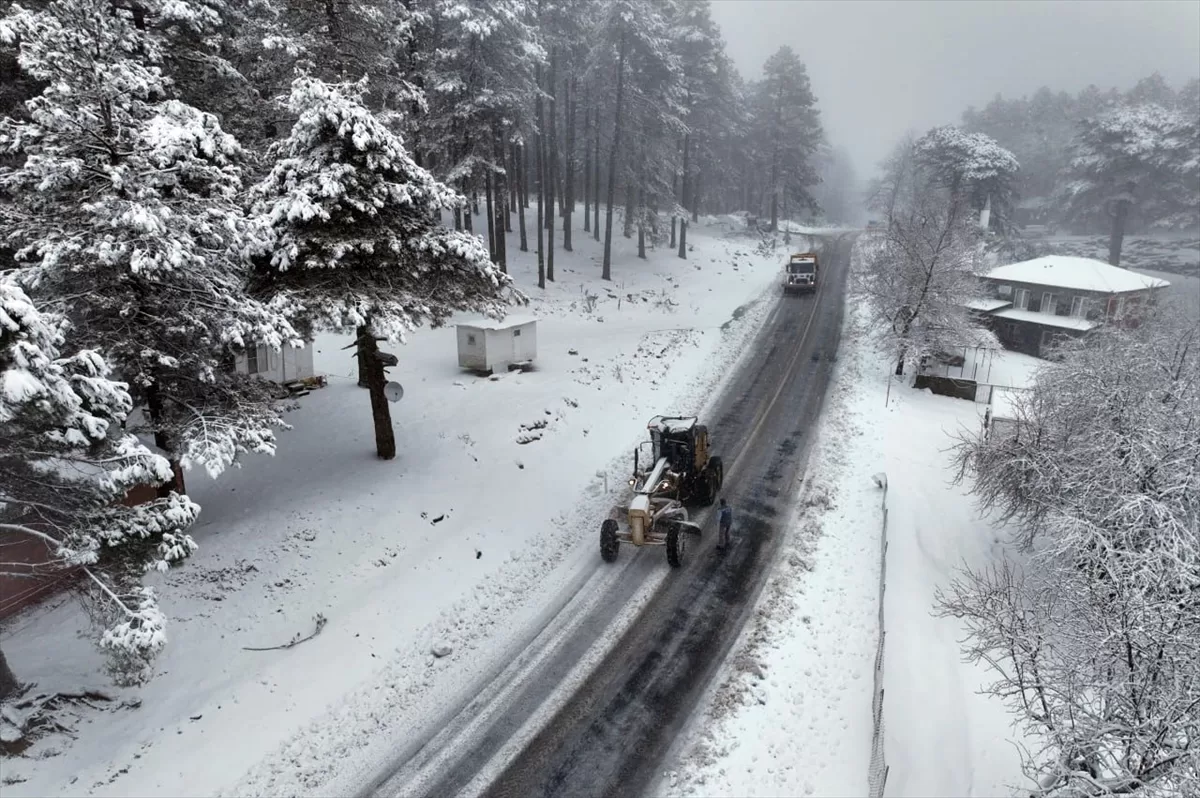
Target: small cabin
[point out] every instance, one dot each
(488, 345)
(286, 365)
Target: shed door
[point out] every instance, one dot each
(517, 344)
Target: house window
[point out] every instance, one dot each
(1022, 299)
(1078, 307)
(1116, 307)
(1006, 290)
(1049, 303)
(517, 333)
(470, 339)
(256, 359)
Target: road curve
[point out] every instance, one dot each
(612, 732)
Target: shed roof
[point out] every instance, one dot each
(1046, 319)
(1080, 274)
(511, 320)
(1003, 402)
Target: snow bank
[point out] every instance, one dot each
(479, 530)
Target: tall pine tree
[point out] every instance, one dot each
(356, 244)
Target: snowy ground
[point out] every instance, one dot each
(462, 541)
(792, 714)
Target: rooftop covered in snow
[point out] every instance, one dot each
(511, 320)
(1079, 274)
(988, 305)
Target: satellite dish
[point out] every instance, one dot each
(394, 391)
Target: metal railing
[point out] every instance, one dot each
(878, 769)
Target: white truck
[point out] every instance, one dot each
(800, 273)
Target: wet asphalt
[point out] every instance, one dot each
(610, 737)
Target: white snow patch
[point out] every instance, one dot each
(466, 540)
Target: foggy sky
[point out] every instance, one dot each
(880, 68)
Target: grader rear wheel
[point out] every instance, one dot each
(609, 546)
(718, 467)
(676, 544)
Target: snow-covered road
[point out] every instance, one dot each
(633, 664)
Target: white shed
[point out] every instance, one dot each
(286, 365)
(490, 345)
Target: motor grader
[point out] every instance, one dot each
(671, 471)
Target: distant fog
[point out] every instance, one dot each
(879, 68)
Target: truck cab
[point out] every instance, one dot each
(800, 273)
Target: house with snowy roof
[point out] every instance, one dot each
(1031, 304)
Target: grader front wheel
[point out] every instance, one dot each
(609, 546)
(676, 544)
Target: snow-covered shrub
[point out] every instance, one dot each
(65, 464)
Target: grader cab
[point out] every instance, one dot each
(671, 471)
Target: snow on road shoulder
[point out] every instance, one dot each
(429, 569)
(787, 717)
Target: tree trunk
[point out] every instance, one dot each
(552, 160)
(539, 146)
(675, 197)
(468, 219)
(629, 196)
(8, 680)
(641, 226)
(695, 200)
(512, 181)
(385, 438)
(502, 192)
(596, 181)
(587, 171)
(1116, 238)
(683, 197)
(569, 180)
(612, 162)
(155, 410)
(491, 217)
(522, 192)
(527, 171)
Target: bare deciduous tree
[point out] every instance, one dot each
(918, 277)
(1096, 636)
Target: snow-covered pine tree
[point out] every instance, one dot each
(65, 464)
(972, 167)
(633, 46)
(355, 238)
(335, 41)
(706, 102)
(1139, 159)
(481, 90)
(126, 217)
(788, 129)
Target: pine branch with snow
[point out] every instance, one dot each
(973, 168)
(1135, 160)
(354, 238)
(65, 465)
(126, 213)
